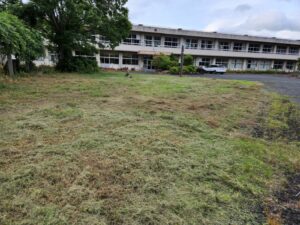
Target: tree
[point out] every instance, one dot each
(164, 62)
(188, 60)
(70, 24)
(19, 40)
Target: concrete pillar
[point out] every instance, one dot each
(197, 60)
(245, 64)
(214, 60)
(288, 50)
(141, 62)
(98, 59)
(181, 42)
(216, 44)
(247, 47)
(261, 48)
(275, 49)
(162, 41)
(120, 59)
(272, 64)
(284, 66)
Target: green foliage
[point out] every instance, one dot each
(79, 64)
(164, 62)
(186, 70)
(46, 69)
(174, 70)
(188, 60)
(17, 39)
(189, 69)
(69, 24)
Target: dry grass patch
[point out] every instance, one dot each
(104, 149)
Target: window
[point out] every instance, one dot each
(84, 54)
(252, 64)
(238, 47)
(157, 41)
(53, 56)
(222, 62)
(206, 44)
(254, 48)
(294, 51)
(267, 48)
(225, 46)
(264, 65)
(130, 59)
(132, 40)
(148, 40)
(191, 43)
(278, 65)
(290, 65)
(109, 57)
(237, 64)
(103, 40)
(204, 62)
(171, 42)
(281, 50)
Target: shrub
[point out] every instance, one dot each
(174, 70)
(161, 62)
(189, 69)
(28, 67)
(78, 64)
(164, 62)
(188, 60)
(46, 69)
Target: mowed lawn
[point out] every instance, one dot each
(105, 149)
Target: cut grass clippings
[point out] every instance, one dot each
(105, 149)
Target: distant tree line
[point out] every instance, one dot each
(66, 24)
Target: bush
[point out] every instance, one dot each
(174, 70)
(188, 60)
(78, 64)
(28, 67)
(46, 69)
(189, 69)
(164, 62)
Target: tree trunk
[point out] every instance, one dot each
(10, 66)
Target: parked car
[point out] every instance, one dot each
(212, 69)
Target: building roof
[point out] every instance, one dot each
(214, 35)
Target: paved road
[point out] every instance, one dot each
(282, 84)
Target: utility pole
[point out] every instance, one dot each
(10, 66)
(181, 60)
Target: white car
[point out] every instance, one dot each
(213, 69)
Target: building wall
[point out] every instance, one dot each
(255, 53)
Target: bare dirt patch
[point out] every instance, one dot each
(284, 207)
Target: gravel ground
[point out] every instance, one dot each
(289, 86)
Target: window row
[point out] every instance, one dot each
(113, 58)
(192, 43)
(238, 64)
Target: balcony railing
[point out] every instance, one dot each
(156, 45)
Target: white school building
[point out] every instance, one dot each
(236, 52)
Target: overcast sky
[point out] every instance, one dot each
(274, 18)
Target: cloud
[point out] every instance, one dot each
(243, 8)
(277, 18)
(272, 21)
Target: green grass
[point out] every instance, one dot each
(105, 149)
